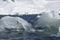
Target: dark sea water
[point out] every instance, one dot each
(25, 36)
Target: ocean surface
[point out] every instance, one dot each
(25, 36)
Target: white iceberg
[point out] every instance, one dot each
(16, 22)
(49, 20)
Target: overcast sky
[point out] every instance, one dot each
(31, 6)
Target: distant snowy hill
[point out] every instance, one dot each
(22, 6)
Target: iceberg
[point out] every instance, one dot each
(16, 22)
(49, 21)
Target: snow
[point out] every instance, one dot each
(22, 6)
